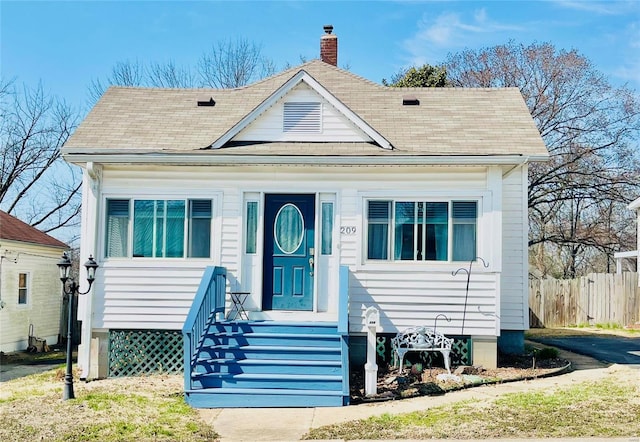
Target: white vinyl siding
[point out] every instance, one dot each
(157, 293)
(514, 282)
(407, 299)
(43, 294)
(141, 296)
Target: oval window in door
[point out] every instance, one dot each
(288, 229)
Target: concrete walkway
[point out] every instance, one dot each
(290, 424)
(9, 372)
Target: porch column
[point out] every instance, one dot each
(91, 189)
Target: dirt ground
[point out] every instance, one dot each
(419, 380)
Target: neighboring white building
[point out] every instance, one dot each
(284, 181)
(30, 287)
(631, 254)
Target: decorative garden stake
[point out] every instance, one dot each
(466, 296)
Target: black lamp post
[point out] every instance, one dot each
(70, 288)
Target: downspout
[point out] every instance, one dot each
(91, 187)
(2, 257)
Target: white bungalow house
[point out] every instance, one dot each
(30, 289)
(315, 194)
(631, 254)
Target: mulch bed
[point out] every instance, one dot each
(419, 380)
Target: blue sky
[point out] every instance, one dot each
(66, 44)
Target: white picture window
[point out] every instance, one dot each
(401, 230)
(159, 228)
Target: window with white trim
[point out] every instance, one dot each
(160, 228)
(400, 230)
(23, 289)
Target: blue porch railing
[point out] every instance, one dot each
(209, 303)
(263, 363)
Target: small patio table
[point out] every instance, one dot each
(237, 309)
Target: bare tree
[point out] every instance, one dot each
(124, 73)
(228, 64)
(590, 129)
(233, 63)
(36, 185)
(169, 75)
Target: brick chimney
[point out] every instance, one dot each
(329, 46)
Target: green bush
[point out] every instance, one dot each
(547, 353)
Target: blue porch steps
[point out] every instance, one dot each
(270, 364)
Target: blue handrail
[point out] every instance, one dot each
(343, 300)
(208, 305)
(343, 329)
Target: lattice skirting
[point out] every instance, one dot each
(460, 352)
(141, 352)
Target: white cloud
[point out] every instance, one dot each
(448, 31)
(600, 7)
(480, 15)
(629, 73)
(630, 70)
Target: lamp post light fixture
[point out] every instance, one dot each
(70, 288)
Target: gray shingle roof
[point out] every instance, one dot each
(448, 121)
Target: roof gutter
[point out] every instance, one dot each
(235, 160)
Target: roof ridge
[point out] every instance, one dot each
(292, 70)
(353, 75)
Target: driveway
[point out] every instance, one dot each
(9, 372)
(610, 349)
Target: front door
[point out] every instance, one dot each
(288, 252)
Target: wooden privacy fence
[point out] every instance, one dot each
(598, 298)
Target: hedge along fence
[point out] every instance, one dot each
(598, 298)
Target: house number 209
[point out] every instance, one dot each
(347, 230)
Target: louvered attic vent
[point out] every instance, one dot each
(302, 118)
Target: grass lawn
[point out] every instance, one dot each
(124, 409)
(607, 407)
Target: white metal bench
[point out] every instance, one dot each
(421, 339)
